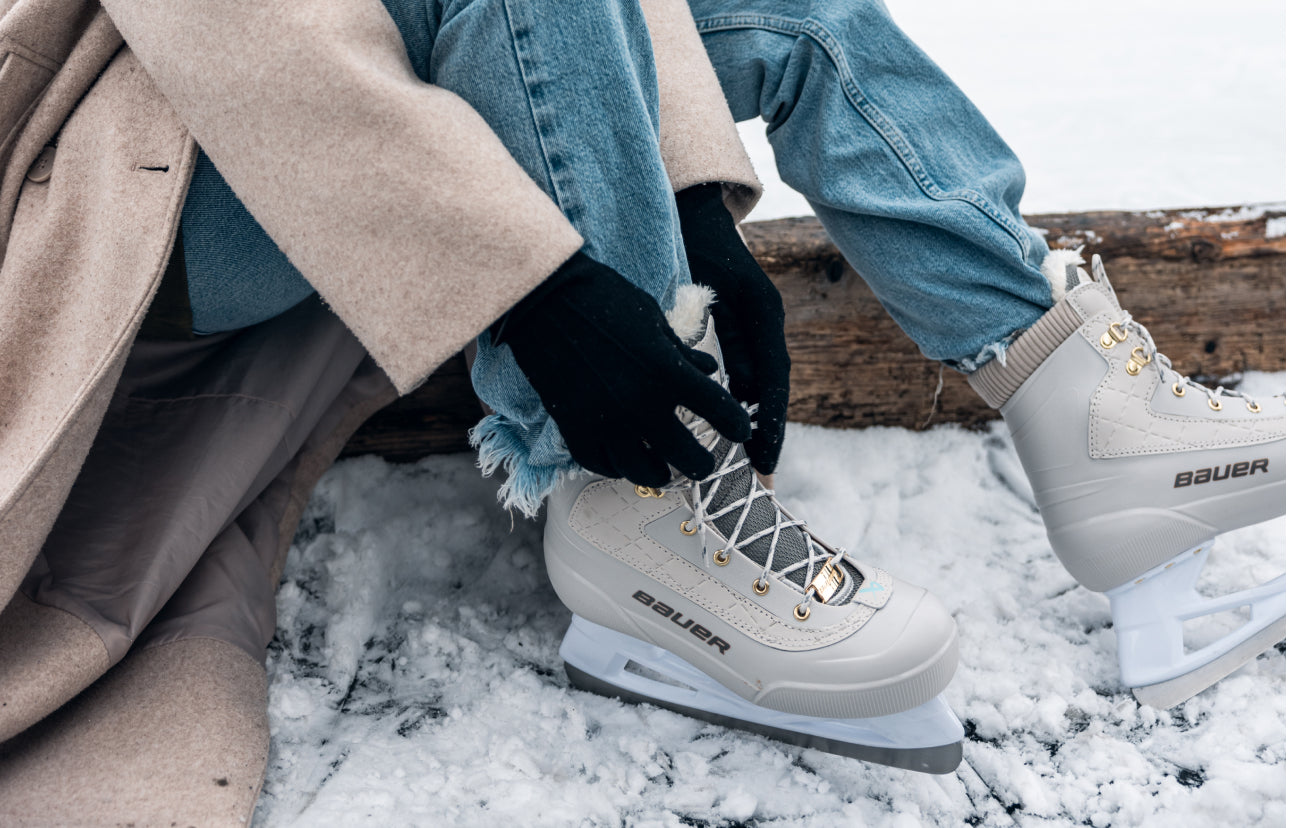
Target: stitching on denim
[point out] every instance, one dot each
(532, 91)
(874, 116)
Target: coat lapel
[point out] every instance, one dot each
(85, 240)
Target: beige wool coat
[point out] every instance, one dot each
(392, 197)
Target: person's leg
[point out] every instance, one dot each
(921, 196)
(172, 735)
(177, 730)
(910, 180)
(574, 98)
(196, 433)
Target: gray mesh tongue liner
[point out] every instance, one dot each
(792, 545)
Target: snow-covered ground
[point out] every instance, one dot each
(415, 678)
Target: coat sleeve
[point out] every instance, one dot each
(393, 197)
(697, 134)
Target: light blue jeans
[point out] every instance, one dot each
(909, 179)
(911, 182)
(570, 89)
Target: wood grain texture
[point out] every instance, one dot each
(1209, 283)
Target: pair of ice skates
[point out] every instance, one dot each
(710, 599)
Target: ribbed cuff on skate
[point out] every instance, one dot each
(996, 381)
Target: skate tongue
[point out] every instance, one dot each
(1065, 276)
(793, 544)
(1075, 276)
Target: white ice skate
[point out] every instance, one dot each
(1136, 469)
(709, 599)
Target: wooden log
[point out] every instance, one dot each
(1210, 284)
(433, 419)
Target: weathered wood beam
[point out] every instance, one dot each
(1209, 283)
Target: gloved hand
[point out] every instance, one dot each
(749, 315)
(611, 372)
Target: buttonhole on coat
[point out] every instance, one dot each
(154, 169)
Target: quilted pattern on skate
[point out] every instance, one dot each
(1123, 423)
(611, 517)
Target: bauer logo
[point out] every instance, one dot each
(700, 632)
(1217, 473)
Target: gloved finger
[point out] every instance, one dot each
(770, 386)
(768, 438)
(641, 464)
(592, 456)
(743, 381)
(682, 449)
(705, 363)
(739, 356)
(705, 397)
(771, 376)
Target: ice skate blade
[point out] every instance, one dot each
(927, 738)
(1149, 614)
(1166, 694)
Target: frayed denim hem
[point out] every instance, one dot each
(994, 350)
(501, 443)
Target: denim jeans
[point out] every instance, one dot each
(911, 182)
(574, 98)
(908, 178)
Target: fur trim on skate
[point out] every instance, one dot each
(689, 315)
(1055, 268)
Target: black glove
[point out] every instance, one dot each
(748, 312)
(611, 372)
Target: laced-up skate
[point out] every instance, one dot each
(708, 598)
(1136, 469)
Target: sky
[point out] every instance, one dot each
(1110, 105)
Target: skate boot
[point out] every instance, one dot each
(708, 598)
(1135, 470)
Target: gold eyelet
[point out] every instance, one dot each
(1179, 390)
(761, 587)
(686, 530)
(1254, 407)
(1215, 404)
(721, 557)
(801, 613)
(648, 491)
(1137, 361)
(1113, 335)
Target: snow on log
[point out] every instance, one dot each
(1209, 283)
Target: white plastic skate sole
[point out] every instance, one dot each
(927, 738)
(1149, 612)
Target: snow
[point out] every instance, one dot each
(415, 677)
(1111, 105)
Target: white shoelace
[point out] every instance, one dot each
(815, 553)
(1168, 374)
